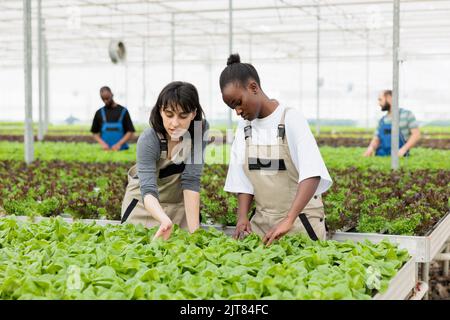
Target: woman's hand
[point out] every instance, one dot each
(165, 229)
(151, 203)
(242, 227)
(278, 231)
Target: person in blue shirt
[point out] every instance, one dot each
(409, 132)
(112, 126)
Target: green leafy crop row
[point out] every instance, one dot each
(56, 260)
(83, 190)
(9, 127)
(347, 140)
(404, 202)
(335, 158)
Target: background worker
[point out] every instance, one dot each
(112, 126)
(409, 133)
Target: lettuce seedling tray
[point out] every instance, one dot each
(400, 287)
(423, 248)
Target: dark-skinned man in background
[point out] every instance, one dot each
(112, 126)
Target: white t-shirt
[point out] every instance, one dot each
(302, 146)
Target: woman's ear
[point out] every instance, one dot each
(193, 114)
(253, 87)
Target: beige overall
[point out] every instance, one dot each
(169, 188)
(275, 182)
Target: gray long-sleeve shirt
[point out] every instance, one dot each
(148, 153)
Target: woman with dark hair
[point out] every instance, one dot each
(274, 161)
(163, 187)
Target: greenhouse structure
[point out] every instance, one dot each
(225, 150)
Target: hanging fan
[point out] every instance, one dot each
(117, 51)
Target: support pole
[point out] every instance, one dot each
(126, 83)
(28, 136)
(318, 72)
(426, 277)
(300, 85)
(172, 23)
(230, 49)
(144, 57)
(144, 79)
(210, 81)
(367, 77)
(395, 88)
(46, 90)
(41, 90)
(250, 48)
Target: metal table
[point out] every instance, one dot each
(423, 248)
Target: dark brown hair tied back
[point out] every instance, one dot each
(237, 72)
(233, 58)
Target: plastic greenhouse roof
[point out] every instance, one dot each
(79, 31)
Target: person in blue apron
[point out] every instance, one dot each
(112, 126)
(409, 132)
(164, 186)
(275, 162)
